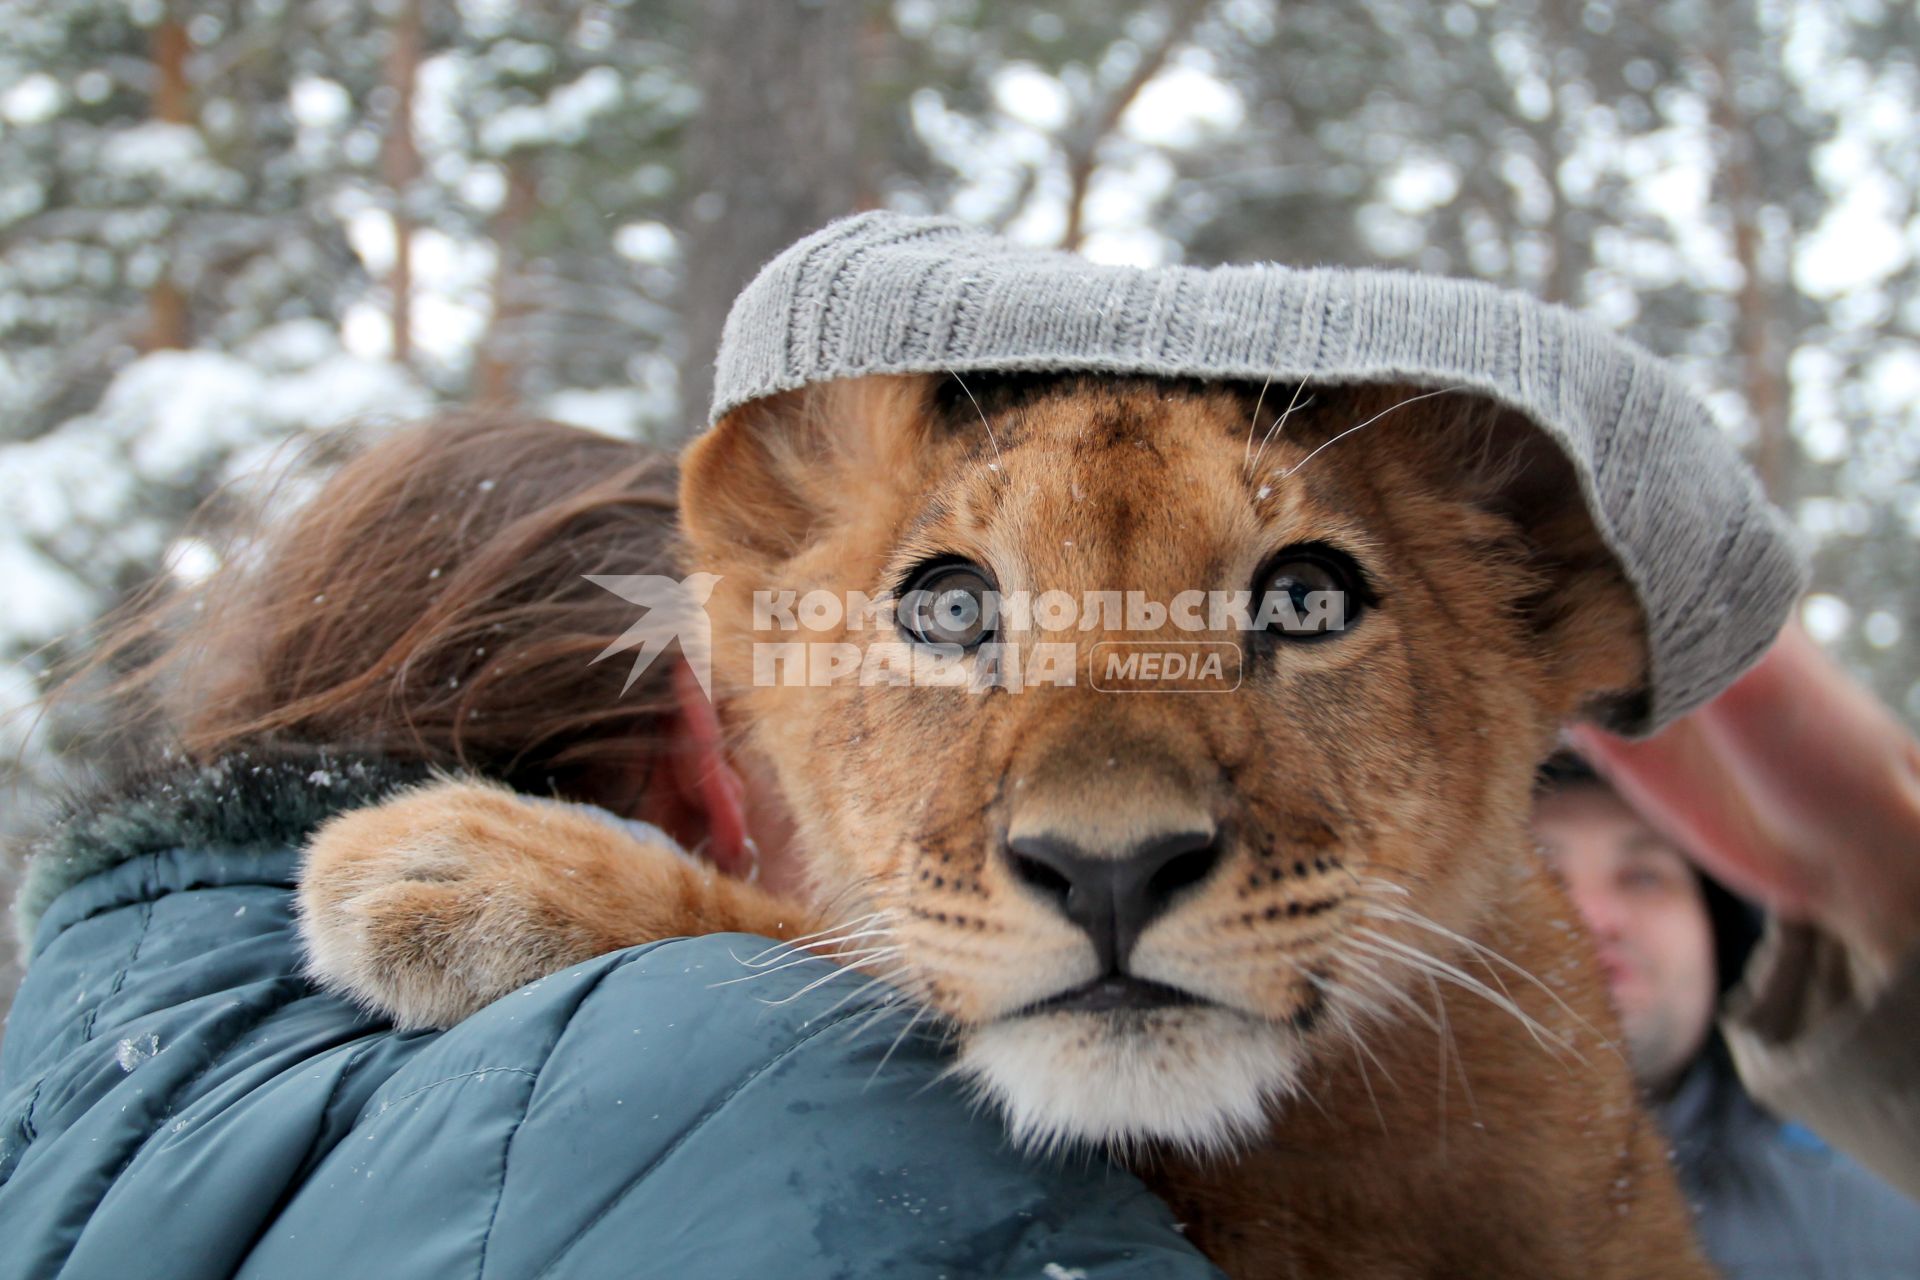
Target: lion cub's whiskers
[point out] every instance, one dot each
(890, 1002)
(834, 945)
(1366, 1079)
(848, 959)
(1384, 886)
(1294, 470)
(1377, 982)
(857, 922)
(837, 971)
(1253, 425)
(1487, 955)
(1279, 422)
(1383, 947)
(892, 998)
(920, 1011)
(787, 956)
(872, 924)
(998, 460)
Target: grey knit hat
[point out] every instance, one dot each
(1714, 564)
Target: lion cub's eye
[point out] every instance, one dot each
(1311, 591)
(949, 602)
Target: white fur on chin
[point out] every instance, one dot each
(1198, 1079)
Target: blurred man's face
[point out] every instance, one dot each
(1649, 922)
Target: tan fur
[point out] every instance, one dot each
(447, 897)
(1427, 1130)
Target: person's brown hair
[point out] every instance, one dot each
(429, 603)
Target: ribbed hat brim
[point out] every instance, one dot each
(1714, 564)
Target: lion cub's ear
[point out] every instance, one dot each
(771, 475)
(1587, 622)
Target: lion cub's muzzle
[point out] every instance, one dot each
(1113, 896)
(1125, 1003)
(1127, 1035)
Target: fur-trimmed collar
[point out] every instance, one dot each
(243, 799)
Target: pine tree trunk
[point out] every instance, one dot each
(400, 169)
(1083, 149)
(1562, 284)
(773, 155)
(1762, 373)
(167, 319)
(496, 373)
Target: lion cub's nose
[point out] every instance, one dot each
(1113, 897)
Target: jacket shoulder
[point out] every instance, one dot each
(648, 1105)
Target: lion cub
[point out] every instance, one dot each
(1272, 931)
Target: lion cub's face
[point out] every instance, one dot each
(1148, 896)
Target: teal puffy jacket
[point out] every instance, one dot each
(176, 1101)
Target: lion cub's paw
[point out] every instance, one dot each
(441, 900)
